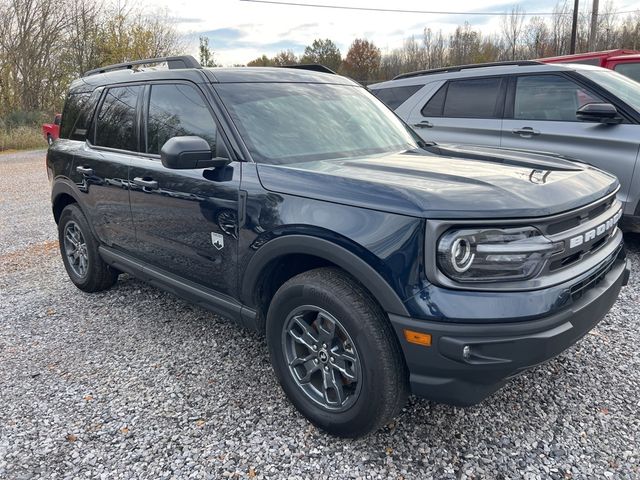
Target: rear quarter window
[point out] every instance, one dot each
(77, 114)
(395, 96)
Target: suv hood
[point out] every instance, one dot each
(447, 182)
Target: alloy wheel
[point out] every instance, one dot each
(322, 358)
(75, 248)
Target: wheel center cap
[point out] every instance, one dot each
(323, 356)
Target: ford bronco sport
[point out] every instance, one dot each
(295, 203)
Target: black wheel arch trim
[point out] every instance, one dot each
(329, 251)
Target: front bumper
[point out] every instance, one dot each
(498, 351)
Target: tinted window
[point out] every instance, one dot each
(116, 120)
(177, 110)
(549, 97)
(631, 70)
(77, 114)
(474, 98)
(434, 106)
(396, 96)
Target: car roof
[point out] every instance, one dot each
(472, 72)
(217, 75)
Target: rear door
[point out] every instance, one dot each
(101, 164)
(185, 220)
(463, 111)
(541, 115)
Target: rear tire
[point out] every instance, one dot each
(79, 249)
(49, 139)
(335, 354)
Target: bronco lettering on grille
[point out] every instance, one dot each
(595, 232)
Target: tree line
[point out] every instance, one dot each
(520, 37)
(45, 44)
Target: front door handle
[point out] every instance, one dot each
(526, 132)
(84, 170)
(423, 124)
(146, 183)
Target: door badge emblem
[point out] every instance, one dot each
(217, 240)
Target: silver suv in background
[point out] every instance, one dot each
(584, 112)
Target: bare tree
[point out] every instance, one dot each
(512, 30)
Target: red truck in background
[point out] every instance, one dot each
(625, 62)
(51, 131)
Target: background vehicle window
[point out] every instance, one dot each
(549, 97)
(434, 106)
(175, 111)
(631, 70)
(115, 124)
(396, 96)
(473, 98)
(77, 114)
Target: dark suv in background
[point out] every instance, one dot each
(295, 203)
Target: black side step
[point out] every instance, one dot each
(207, 298)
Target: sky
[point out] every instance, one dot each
(240, 31)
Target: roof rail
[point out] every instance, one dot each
(315, 67)
(184, 61)
(465, 67)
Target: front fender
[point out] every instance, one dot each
(329, 251)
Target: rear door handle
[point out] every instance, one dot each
(423, 124)
(84, 170)
(526, 132)
(147, 183)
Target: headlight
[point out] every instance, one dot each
(494, 255)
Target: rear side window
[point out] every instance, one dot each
(549, 97)
(116, 120)
(395, 96)
(472, 98)
(77, 114)
(631, 70)
(175, 111)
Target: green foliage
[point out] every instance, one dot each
(324, 52)
(21, 138)
(206, 54)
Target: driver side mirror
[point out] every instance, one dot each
(598, 112)
(191, 152)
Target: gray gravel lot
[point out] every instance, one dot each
(135, 383)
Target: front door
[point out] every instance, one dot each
(185, 220)
(544, 119)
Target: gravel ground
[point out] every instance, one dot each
(135, 383)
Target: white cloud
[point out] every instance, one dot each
(244, 30)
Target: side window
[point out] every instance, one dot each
(631, 70)
(472, 98)
(395, 96)
(435, 105)
(177, 110)
(116, 120)
(77, 113)
(549, 97)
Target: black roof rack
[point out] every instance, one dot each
(465, 67)
(184, 61)
(315, 67)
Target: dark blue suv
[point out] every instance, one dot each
(295, 203)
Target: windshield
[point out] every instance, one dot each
(622, 87)
(296, 122)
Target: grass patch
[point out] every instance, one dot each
(21, 138)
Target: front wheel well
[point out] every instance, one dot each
(60, 202)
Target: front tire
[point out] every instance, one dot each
(79, 250)
(49, 139)
(335, 354)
